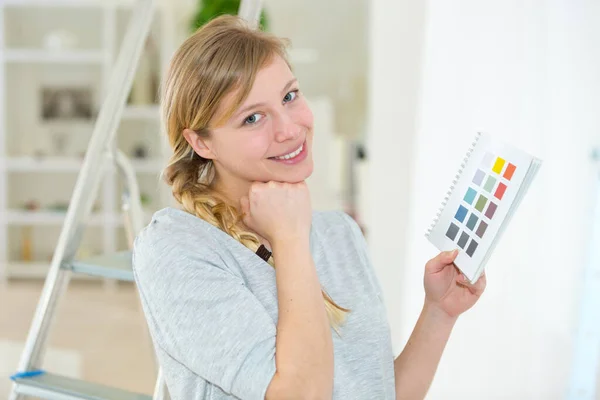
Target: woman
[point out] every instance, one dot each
(227, 319)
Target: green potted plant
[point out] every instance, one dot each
(209, 9)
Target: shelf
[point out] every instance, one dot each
(66, 3)
(67, 164)
(35, 270)
(46, 164)
(24, 270)
(20, 217)
(49, 56)
(149, 112)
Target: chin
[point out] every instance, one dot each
(298, 176)
(308, 170)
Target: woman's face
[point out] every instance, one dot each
(268, 138)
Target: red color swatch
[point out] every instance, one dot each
(500, 191)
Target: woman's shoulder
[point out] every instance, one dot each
(173, 235)
(173, 226)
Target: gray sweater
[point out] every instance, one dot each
(211, 307)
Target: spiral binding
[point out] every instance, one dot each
(454, 182)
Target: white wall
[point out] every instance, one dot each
(337, 30)
(526, 72)
(394, 74)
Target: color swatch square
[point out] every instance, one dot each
(470, 196)
(478, 178)
(480, 203)
(472, 221)
(498, 165)
(481, 229)
(461, 213)
(488, 159)
(489, 184)
(452, 231)
(463, 240)
(500, 191)
(472, 247)
(491, 210)
(510, 171)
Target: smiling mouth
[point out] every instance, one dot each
(289, 156)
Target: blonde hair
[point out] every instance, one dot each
(222, 56)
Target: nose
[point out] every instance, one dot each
(285, 128)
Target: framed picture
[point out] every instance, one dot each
(67, 103)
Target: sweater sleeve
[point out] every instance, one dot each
(204, 317)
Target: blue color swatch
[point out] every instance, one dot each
(461, 214)
(472, 221)
(470, 196)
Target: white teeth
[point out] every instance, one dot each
(290, 155)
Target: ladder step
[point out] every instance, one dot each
(114, 266)
(56, 387)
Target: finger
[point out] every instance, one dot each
(461, 278)
(477, 288)
(257, 186)
(463, 281)
(440, 261)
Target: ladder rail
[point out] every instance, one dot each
(88, 179)
(132, 201)
(250, 11)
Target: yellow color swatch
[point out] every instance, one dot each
(498, 165)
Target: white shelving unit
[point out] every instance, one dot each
(32, 168)
(41, 56)
(65, 164)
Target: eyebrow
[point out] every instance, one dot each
(250, 107)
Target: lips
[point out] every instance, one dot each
(291, 153)
(299, 155)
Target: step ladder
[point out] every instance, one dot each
(101, 154)
(101, 157)
(585, 370)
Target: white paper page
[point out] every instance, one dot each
(480, 164)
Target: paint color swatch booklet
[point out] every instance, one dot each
(491, 182)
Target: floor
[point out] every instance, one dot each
(99, 334)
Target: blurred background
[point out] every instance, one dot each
(398, 88)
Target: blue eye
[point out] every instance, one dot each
(290, 96)
(253, 119)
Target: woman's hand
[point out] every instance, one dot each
(447, 289)
(278, 211)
